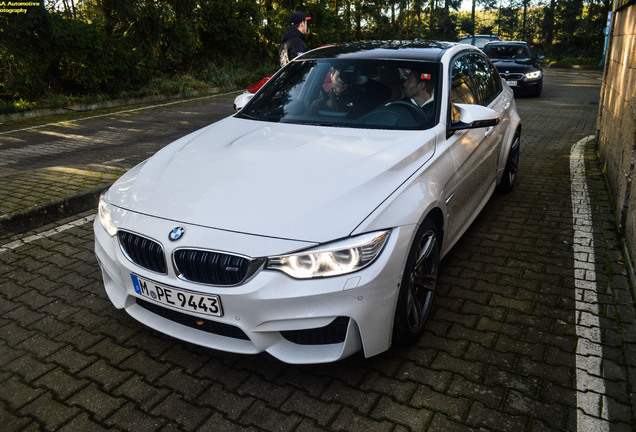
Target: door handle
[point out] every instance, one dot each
(507, 106)
(489, 130)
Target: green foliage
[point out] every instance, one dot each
(16, 106)
(115, 47)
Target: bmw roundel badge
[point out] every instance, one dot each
(176, 233)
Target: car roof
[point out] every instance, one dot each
(479, 36)
(508, 43)
(388, 50)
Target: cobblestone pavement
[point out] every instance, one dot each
(504, 350)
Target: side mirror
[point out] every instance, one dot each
(241, 100)
(474, 117)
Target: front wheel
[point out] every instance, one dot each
(418, 285)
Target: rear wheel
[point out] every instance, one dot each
(418, 285)
(512, 165)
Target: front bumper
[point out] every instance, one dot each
(523, 85)
(296, 321)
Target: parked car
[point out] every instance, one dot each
(311, 231)
(479, 41)
(250, 91)
(518, 65)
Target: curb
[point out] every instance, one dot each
(45, 213)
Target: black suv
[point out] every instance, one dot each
(518, 65)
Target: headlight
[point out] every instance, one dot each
(533, 75)
(104, 217)
(334, 259)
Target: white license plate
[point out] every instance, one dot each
(209, 304)
(512, 83)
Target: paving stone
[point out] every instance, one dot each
(266, 418)
(137, 390)
(71, 359)
(231, 405)
(83, 423)
(130, 418)
(413, 418)
(273, 393)
(480, 416)
(305, 406)
(15, 393)
(181, 411)
(104, 374)
(348, 420)
(61, 383)
(12, 423)
(49, 411)
(96, 401)
(216, 370)
(183, 383)
(360, 400)
(27, 367)
(453, 407)
(472, 370)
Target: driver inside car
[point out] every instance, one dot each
(419, 90)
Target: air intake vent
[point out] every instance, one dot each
(142, 251)
(194, 322)
(214, 268)
(330, 334)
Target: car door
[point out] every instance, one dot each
(474, 151)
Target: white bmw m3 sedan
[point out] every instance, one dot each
(310, 225)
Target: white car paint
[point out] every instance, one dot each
(261, 189)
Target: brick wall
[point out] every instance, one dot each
(616, 126)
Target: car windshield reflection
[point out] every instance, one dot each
(508, 52)
(359, 94)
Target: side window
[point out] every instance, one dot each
(462, 86)
(486, 78)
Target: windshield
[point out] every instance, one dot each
(362, 94)
(508, 52)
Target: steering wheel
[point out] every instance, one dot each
(416, 112)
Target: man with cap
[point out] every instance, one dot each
(293, 43)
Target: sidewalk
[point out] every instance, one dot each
(34, 198)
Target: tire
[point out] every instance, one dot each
(512, 166)
(417, 288)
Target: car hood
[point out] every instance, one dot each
(288, 181)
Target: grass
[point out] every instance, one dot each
(566, 60)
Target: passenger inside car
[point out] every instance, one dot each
(350, 93)
(344, 94)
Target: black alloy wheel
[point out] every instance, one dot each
(418, 285)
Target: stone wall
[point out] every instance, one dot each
(616, 126)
